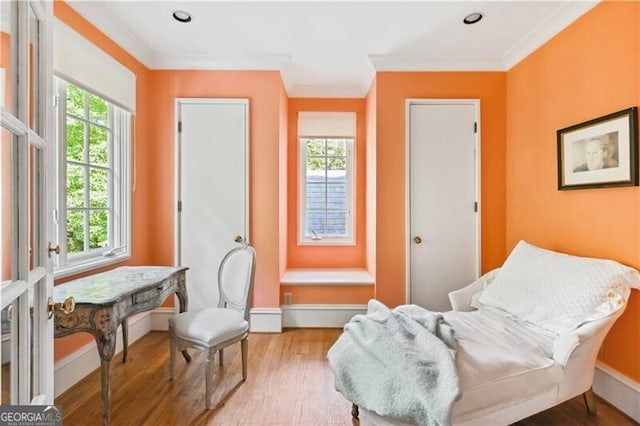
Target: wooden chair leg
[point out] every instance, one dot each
(244, 347)
(172, 352)
(590, 402)
(355, 411)
(209, 378)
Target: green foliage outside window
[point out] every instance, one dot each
(88, 171)
(334, 151)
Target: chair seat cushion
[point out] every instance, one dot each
(210, 326)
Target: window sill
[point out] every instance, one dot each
(88, 266)
(329, 276)
(326, 243)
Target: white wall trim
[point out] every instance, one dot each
(334, 316)
(420, 63)
(100, 16)
(160, 318)
(618, 390)
(263, 320)
(266, 320)
(74, 367)
(231, 62)
(328, 276)
(554, 24)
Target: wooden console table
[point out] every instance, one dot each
(106, 300)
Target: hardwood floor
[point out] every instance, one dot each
(289, 383)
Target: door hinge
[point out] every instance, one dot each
(475, 207)
(179, 126)
(475, 127)
(179, 206)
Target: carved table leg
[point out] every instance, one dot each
(105, 373)
(125, 339)
(181, 292)
(105, 333)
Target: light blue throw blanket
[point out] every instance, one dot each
(398, 363)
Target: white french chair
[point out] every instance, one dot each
(212, 329)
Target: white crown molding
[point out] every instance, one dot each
(100, 16)
(420, 63)
(324, 90)
(248, 61)
(555, 23)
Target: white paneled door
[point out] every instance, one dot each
(443, 199)
(212, 187)
(26, 232)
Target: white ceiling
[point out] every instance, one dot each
(331, 48)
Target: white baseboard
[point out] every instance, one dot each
(266, 320)
(620, 391)
(329, 316)
(74, 367)
(160, 318)
(263, 320)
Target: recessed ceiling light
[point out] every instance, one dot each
(182, 16)
(472, 18)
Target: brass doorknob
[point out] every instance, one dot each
(417, 240)
(55, 249)
(238, 239)
(68, 306)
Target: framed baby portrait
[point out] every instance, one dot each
(599, 153)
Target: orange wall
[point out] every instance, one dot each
(371, 171)
(141, 202)
(5, 62)
(282, 179)
(393, 88)
(588, 70)
(350, 295)
(264, 90)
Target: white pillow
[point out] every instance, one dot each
(556, 291)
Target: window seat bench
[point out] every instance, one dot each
(327, 276)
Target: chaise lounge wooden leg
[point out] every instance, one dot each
(590, 402)
(355, 411)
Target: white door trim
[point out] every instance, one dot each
(408, 104)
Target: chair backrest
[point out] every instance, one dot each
(235, 279)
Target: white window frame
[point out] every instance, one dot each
(332, 240)
(119, 246)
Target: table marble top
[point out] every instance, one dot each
(108, 286)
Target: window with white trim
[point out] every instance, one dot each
(93, 215)
(326, 183)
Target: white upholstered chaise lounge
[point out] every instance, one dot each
(527, 335)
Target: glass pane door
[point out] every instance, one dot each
(27, 337)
